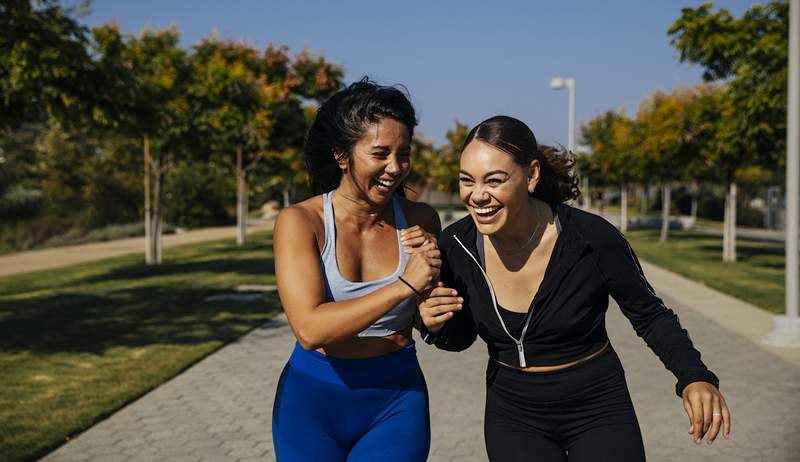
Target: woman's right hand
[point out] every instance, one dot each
(422, 269)
(438, 307)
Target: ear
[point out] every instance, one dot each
(534, 172)
(341, 159)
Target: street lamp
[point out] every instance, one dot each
(786, 328)
(559, 83)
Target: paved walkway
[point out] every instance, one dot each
(57, 257)
(220, 409)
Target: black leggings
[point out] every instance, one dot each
(583, 413)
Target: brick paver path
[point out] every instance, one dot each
(219, 410)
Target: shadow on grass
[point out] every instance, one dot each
(131, 317)
(121, 302)
(221, 265)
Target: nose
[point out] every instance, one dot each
(392, 165)
(480, 195)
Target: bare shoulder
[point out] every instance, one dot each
(422, 214)
(302, 219)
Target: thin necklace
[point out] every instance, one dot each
(523, 246)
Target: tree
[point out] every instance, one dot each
(422, 159)
(146, 97)
(253, 104)
(231, 100)
(611, 139)
(670, 140)
(445, 165)
(44, 64)
(309, 80)
(750, 55)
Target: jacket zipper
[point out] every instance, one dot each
(520, 348)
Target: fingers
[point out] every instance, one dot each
(726, 418)
(697, 419)
(415, 236)
(427, 246)
(716, 420)
(441, 291)
(435, 323)
(438, 305)
(688, 408)
(708, 412)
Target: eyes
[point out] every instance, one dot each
(402, 156)
(492, 182)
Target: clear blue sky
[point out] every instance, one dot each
(468, 59)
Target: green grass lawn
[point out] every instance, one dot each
(80, 342)
(756, 277)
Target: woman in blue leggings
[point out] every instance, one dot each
(349, 263)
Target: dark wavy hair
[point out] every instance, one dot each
(342, 120)
(557, 183)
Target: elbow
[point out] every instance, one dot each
(308, 340)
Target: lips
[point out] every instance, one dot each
(384, 185)
(486, 215)
(487, 211)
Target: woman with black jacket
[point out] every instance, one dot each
(531, 276)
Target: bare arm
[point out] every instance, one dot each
(314, 321)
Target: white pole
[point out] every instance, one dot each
(571, 136)
(786, 328)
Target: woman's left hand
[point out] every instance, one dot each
(707, 411)
(414, 237)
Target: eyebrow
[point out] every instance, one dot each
(493, 172)
(387, 148)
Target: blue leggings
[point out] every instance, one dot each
(333, 409)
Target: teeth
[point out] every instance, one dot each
(485, 210)
(387, 184)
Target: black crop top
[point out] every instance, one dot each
(591, 261)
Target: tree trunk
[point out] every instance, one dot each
(695, 191)
(623, 208)
(729, 226)
(665, 205)
(644, 204)
(286, 201)
(157, 228)
(241, 199)
(148, 230)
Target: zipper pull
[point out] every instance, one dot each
(521, 352)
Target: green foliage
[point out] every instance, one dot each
(45, 68)
(674, 130)
(612, 139)
(199, 194)
(444, 167)
(750, 54)
(76, 105)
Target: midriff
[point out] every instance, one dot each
(556, 367)
(368, 347)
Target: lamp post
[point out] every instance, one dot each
(786, 328)
(559, 83)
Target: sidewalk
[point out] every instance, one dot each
(56, 257)
(756, 234)
(220, 409)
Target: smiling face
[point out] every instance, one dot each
(494, 187)
(380, 161)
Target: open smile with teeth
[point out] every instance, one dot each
(487, 211)
(387, 184)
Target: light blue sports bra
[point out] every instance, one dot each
(339, 288)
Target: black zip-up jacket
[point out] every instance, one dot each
(566, 320)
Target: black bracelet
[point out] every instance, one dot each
(419, 295)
